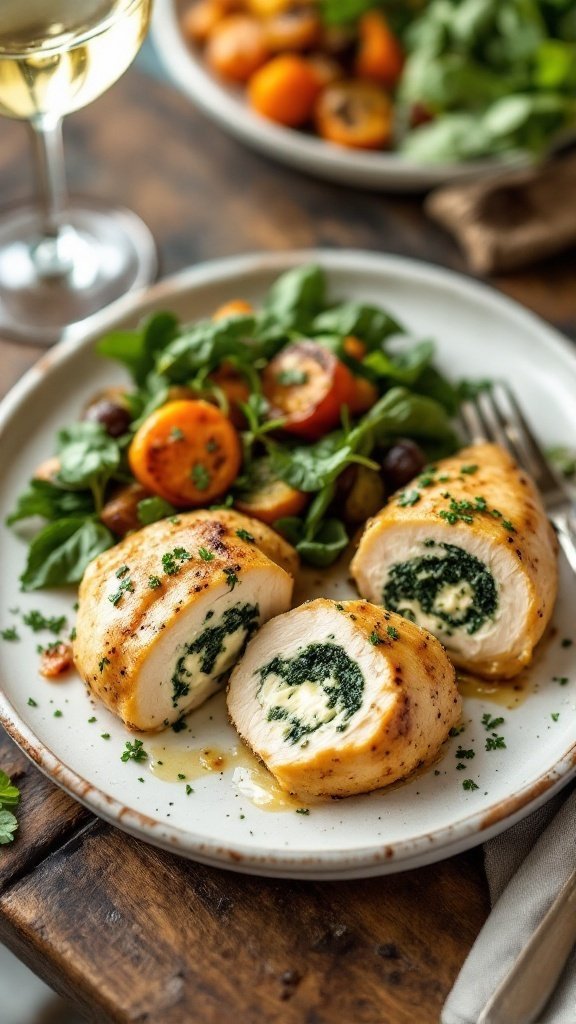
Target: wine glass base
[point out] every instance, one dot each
(48, 288)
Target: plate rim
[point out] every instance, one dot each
(382, 858)
(360, 168)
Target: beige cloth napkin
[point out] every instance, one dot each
(511, 220)
(526, 867)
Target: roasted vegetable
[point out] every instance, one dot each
(355, 114)
(268, 498)
(187, 452)
(307, 385)
(120, 512)
(237, 47)
(379, 57)
(285, 90)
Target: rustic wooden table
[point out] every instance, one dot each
(132, 933)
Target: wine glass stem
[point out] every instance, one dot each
(49, 253)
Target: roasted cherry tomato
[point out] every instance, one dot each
(297, 28)
(285, 90)
(237, 48)
(355, 114)
(307, 385)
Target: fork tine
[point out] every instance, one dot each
(533, 457)
(490, 416)
(472, 423)
(496, 401)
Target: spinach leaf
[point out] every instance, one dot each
(61, 551)
(323, 547)
(369, 323)
(150, 510)
(206, 344)
(138, 349)
(293, 301)
(404, 367)
(433, 384)
(88, 458)
(45, 499)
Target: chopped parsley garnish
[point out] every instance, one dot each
(469, 784)
(181, 776)
(206, 555)
(175, 520)
(58, 713)
(555, 716)
(125, 587)
(72, 633)
(105, 736)
(231, 577)
(460, 766)
(10, 633)
(102, 664)
(134, 751)
(426, 480)
(392, 632)
(374, 638)
(302, 810)
(286, 378)
(495, 742)
(140, 779)
(490, 723)
(467, 754)
(32, 703)
(339, 607)
(563, 680)
(245, 535)
(37, 621)
(172, 561)
(122, 572)
(154, 582)
(179, 725)
(176, 434)
(188, 789)
(200, 476)
(92, 720)
(456, 730)
(508, 526)
(469, 470)
(408, 498)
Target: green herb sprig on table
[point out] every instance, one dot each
(9, 798)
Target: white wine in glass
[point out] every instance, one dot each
(62, 260)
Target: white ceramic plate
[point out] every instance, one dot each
(226, 105)
(428, 818)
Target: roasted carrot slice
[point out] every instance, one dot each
(307, 385)
(268, 498)
(364, 396)
(237, 47)
(236, 307)
(380, 57)
(187, 452)
(355, 114)
(354, 347)
(235, 389)
(285, 90)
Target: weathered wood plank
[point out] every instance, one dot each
(136, 934)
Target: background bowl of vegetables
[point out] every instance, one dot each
(402, 95)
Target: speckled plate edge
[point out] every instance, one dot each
(361, 168)
(463, 834)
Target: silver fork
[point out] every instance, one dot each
(494, 415)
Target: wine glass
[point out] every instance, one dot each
(62, 260)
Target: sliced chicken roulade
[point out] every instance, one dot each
(466, 551)
(165, 614)
(342, 698)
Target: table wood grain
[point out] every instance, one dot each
(134, 934)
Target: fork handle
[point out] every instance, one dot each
(566, 532)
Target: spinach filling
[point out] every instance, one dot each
(425, 581)
(210, 644)
(323, 667)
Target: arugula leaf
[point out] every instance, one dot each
(61, 551)
(9, 794)
(88, 458)
(139, 349)
(371, 324)
(8, 826)
(43, 498)
(150, 510)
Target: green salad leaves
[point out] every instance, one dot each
(9, 799)
(415, 401)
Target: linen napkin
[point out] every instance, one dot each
(526, 866)
(511, 219)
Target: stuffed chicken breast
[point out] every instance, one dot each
(165, 614)
(265, 538)
(342, 698)
(467, 552)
